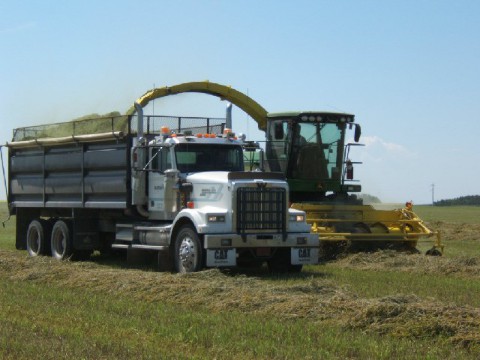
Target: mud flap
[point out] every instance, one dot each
(221, 257)
(303, 256)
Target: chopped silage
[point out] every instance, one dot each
(418, 263)
(311, 298)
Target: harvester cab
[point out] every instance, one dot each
(310, 148)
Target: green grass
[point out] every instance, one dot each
(7, 232)
(71, 323)
(372, 284)
(454, 214)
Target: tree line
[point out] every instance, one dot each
(463, 200)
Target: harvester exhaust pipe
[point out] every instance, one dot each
(139, 110)
(228, 124)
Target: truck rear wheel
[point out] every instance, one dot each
(188, 253)
(37, 238)
(61, 241)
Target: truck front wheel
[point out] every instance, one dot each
(61, 241)
(188, 255)
(37, 235)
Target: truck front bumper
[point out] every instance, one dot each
(215, 241)
(221, 249)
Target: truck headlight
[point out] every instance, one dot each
(216, 218)
(297, 218)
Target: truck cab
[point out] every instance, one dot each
(177, 158)
(198, 192)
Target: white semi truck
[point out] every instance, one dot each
(126, 182)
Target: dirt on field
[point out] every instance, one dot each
(313, 298)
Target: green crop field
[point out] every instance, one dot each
(381, 305)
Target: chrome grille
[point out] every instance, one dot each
(261, 208)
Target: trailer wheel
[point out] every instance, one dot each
(61, 241)
(188, 255)
(37, 235)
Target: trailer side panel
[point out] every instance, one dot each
(88, 175)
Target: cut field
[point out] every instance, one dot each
(380, 305)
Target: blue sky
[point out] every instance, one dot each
(408, 70)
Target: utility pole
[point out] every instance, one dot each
(433, 194)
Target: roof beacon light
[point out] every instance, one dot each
(165, 130)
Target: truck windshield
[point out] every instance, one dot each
(208, 157)
(307, 150)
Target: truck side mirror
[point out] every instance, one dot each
(278, 128)
(358, 132)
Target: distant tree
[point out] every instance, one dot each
(369, 199)
(471, 200)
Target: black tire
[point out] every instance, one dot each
(188, 255)
(62, 240)
(433, 252)
(37, 238)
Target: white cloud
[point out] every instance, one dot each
(376, 144)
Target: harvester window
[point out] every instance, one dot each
(310, 164)
(317, 152)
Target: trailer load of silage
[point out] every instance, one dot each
(115, 123)
(112, 122)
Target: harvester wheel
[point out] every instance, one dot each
(433, 252)
(361, 228)
(357, 244)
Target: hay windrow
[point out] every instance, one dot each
(313, 299)
(418, 263)
(457, 231)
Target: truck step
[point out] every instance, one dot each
(124, 232)
(161, 229)
(150, 247)
(120, 246)
(139, 246)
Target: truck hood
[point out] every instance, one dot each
(218, 177)
(225, 176)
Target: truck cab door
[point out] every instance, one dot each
(160, 161)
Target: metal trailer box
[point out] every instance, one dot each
(84, 175)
